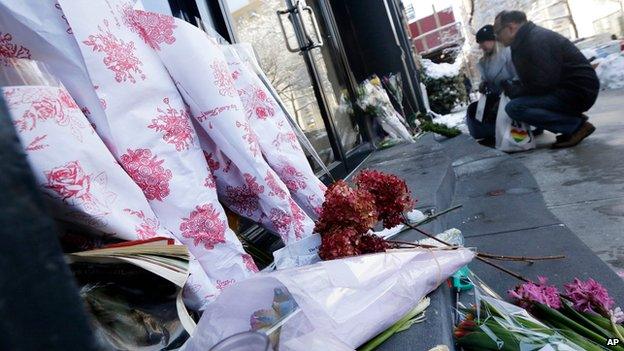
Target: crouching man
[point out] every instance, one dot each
(557, 83)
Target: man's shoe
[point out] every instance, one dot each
(573, 139)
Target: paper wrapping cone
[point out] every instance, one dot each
(153, 135)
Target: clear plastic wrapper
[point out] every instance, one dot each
(373, 98)
(493, 324)
(329, 305)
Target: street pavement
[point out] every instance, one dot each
(584, 186)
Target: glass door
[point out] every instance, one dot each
(295, 45)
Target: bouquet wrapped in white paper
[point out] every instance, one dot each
(373, 98)
(330, 305)
(245, 181)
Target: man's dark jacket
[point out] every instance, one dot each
(548, 63)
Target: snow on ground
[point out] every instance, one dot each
(440, 70)
(610, 70)
(455, 119)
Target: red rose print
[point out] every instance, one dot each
(48, 107)
(223, 79)
(204, 226)
(245, 198)
(285, 223)
(276, 189)
(147, 172)
(209, 182)
(8, 49)
(69, 181)
(249, 263)
(256, 103)
(293, 179)
(119, 55)
(175, 126)
(298, 218)
(153, 28)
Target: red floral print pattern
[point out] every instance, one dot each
(223, 79)
(288, 138)
(276, 189)
(148, 228)
(148, 173)
(215, 112)
(245, 198)
(69, 182)
(293, 179)
(209, 182)
(8, 49)
(250, 137)
(155, 29)
(222, 284)
(284, 222)
(257, 104)
(175, 126)
(249, 263)
(213, 164)
(46, 104)
(119, 55)
(204, 226)
(36, 144)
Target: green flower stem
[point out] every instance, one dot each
(400, 325)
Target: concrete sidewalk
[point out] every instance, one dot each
(584, 186)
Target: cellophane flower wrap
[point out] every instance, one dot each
(154, 138)
(373, 99)
(336, 305)
(245, 181)
(490, 323)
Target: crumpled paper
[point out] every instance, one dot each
(342, 303)
(245, 181)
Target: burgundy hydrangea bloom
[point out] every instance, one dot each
(392, 196)
(589, 296)
(338, 243)
(529, 293)
(344, 242)
(346, 207)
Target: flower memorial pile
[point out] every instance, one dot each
(349, 214)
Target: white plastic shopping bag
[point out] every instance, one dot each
(512, 136)
(480, 108)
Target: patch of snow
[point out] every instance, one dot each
(610, 71)
(441, 70)
(455, 119)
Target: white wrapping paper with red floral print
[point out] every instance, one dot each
(276, 138)
(39, 30)
(83, 181)
(245, 181)
(156, 142)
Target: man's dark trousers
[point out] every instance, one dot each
(545, 112)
